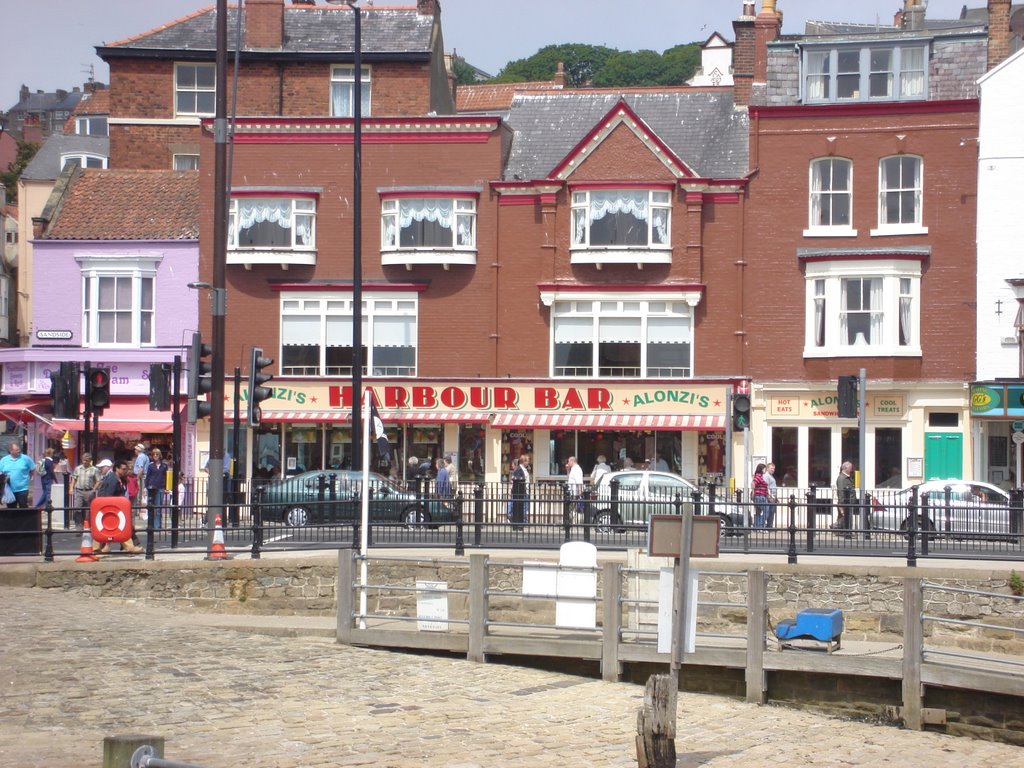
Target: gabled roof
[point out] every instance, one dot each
(45, 166)
(126, 205)
(307, 30)
(703, 129)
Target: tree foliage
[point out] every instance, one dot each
(463, 72)
(26, 151)
(605, 67)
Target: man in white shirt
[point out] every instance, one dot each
(575, 482)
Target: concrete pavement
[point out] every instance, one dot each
(74, 670)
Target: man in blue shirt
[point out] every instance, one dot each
(17, 469)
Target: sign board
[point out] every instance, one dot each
(1017, 437)
(1018, 426)
(666, 586)
(432, 606)
(663, 536)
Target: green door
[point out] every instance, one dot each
(943, 455)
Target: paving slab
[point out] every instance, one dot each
(73, 670)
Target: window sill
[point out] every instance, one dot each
(416, 258)
(866, 351)
(830, 232)
(638, 256)
(902, 229)
(281, 258)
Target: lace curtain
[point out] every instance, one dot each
(279, 212)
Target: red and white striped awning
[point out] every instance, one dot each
(608, 421)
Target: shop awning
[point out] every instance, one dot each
(608, 421)
(125, 416)
(388, 417)
(31, 409)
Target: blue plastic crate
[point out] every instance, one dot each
(824, 624)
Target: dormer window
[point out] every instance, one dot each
(865, 73)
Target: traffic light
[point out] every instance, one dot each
(257, 392)
(200, 380)
(99, 389)
(740, 412)
(64, 390)
(848, 386)
(159, 387)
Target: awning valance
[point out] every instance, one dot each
(31, 409)
(609, 421)
(388, 417)
(125, 416)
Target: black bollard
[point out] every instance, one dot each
(791, 552)
(812, 510)
(460, 545)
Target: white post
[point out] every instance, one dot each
(364, 531)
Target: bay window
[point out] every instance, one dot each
(272, 223)
(428, 223)
(621, 218)
(863, 308)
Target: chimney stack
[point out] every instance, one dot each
(998, 31)
(743, 55)
(560, 75)
(767, 26)
(427, 7)
(913, 15)
(264, 24)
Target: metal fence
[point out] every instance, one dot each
(545, 515)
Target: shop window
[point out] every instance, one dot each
(303, 448)
(889, 458)
(514, 443)
(472, 457)
(785, 454)
(267, 453)
(819, 457)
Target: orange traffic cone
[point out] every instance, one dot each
(217, 550)
(87, 555)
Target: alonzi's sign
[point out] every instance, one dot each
(48, 335)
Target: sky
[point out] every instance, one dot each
(50, 44)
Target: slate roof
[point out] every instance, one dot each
(45, 166)
(48, 102)
(703, 128)
(127, 205)
(307, 29)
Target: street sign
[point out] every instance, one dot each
(1018, 426)
(1017, 437)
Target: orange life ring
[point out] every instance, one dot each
(111, 518)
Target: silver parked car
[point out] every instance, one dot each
(643, 493)
(954, 506)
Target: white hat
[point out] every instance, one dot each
(105, 463)
(140, 447)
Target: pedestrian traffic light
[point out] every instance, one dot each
(848, 386)
(99, 389)
(200, 380)
(257, 392)
(740, 412)
(159, 387)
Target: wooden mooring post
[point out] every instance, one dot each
(656, 723)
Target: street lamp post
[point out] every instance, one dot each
(215, 466)
(357, 233)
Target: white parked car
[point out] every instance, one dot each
(643, 493)
(946, 506)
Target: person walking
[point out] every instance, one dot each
(17, 468)
(773, 496)
(760, 496)
(113, 482)
(442, 486)
(453, 474)
(137, 481)
(45, 470)
(84, 480)
(156, 479)
(520, 484)
(601, 468)
(844, 497)
(574, 485)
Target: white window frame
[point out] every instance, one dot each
(185, 161)
(456, 212)
(896, 305)
(906, 73)
(577, 316)
(581, 222)
(91, 314)
(194, 89)
(814, 197)
(387, 317)
(5, 306)
(84, 159)
(302, 216)
(900, 186)
(343, 80)
(83, 125)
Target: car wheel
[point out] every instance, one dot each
(725, 529)
(605, 521)
(413, 517)
(296, 517)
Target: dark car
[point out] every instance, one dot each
(298, 500)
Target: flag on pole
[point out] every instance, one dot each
(378, 432)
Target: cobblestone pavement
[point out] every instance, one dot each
(74, 670)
